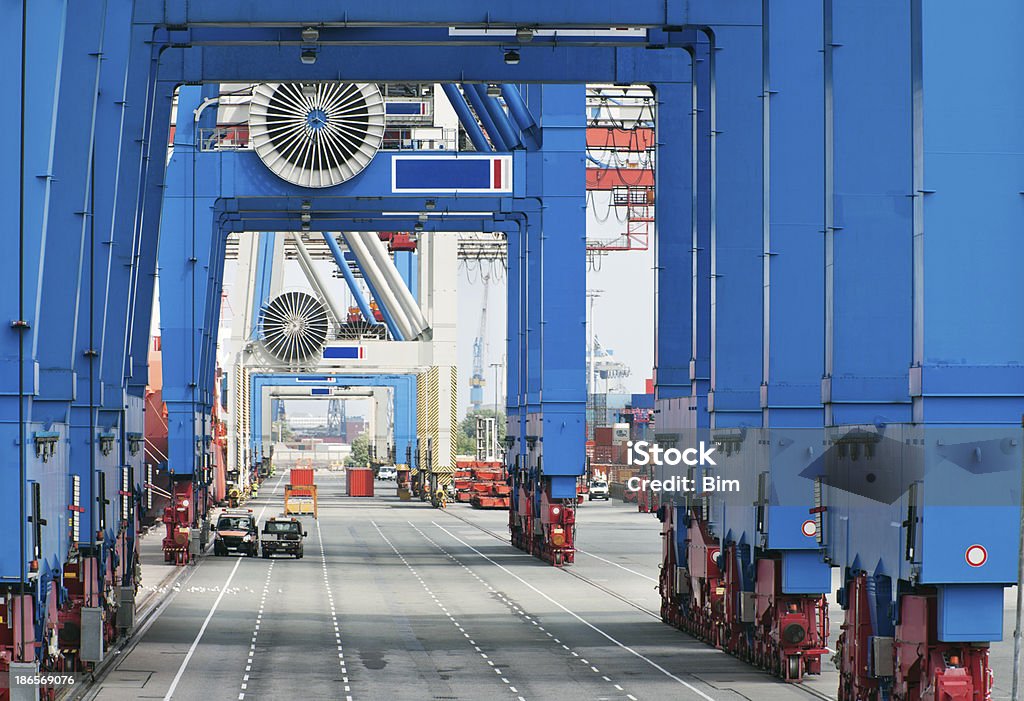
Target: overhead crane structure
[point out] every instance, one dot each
(829, 175)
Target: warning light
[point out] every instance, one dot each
(184, 502)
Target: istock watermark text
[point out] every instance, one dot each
(643, 453)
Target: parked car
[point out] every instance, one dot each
(386, 472)
(236, 532)
(598, 490)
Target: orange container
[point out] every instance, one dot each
(359, 482)
(301, 476)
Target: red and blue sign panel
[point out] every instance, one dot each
(344, 353)
(396, 108)
(453, 173)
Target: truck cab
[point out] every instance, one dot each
(282, 535)
(237, 532)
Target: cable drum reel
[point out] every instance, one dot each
(316, 135)
(294, 327)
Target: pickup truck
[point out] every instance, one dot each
(282, 535)
(598, 490)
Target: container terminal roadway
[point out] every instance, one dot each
(396, 600)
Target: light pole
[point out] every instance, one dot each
(495, 447)
(497, 387)
(591, 381)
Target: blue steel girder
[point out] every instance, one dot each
(465, 64)
(458, 13)
(404, 399)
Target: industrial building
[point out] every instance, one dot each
(219, 209)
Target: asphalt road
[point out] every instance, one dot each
(395, 600)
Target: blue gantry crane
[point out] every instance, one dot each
(837, 246)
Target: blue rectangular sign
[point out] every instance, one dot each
(343, 352)
(451, 173)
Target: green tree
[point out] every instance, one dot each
(466, 439)
(360, 456)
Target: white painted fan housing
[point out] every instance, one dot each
(316, 134)
(294, 326)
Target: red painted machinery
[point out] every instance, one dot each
(178, 516)
(704, 594)
(921, 667)
(549, 534)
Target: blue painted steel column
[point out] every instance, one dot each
(704, 178)
(793, 287)
(969, 213)
(404, 412)
(868, 215)
(793, 243)
(673, 241)
(469, 123)
(407, 263)
(350, 279)
(185, 269)
(556, 279)
(264, 271)
(116, 125)
(28, 139)
(737, 229)
(514, 355)
(94, 435)
(148, 217)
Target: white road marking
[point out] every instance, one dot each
(334, 613)
(512, 606)
(621, 567)
(582, 620)
(213, 609)
(426, 588)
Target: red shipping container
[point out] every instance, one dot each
(359, 482)
(301, 476)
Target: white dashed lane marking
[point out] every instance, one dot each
(483, 655)
(256, 632)
(334, 617)
(513, 607)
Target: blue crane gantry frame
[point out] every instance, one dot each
(763, 214)
(404, 400)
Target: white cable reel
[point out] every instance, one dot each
(316, 134)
